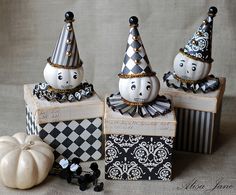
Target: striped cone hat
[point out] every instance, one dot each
(66, 54)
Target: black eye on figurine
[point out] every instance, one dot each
(73, 173)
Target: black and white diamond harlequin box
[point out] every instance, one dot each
(138, 148)
(198, 118)
(73, 129)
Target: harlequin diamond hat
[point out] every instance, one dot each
(199, 46)
(136, 63)
(66, 54)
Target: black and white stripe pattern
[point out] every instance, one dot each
(196, 130)
(160, 106)
(31, 127)
(66, 52)
(211, 83)
(135, 60)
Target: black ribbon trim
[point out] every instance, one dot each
(211, 83)
(160, 106)
(43, 90)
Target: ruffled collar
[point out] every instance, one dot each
(160, 106)
(44, 90)
(211, 83)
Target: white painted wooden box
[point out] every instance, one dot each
(138, 148)
(198, 118)
(73, 129)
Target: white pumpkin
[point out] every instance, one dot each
(61, 78)
(190, 69)
(25, 160)
(141, 89)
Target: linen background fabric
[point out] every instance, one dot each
(29, 30)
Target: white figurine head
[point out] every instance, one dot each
(140, 89)
(61, 78)
(190, 69)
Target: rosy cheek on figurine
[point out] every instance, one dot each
(193, 63)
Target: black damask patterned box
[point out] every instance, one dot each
(73, 129)
(138, 148)
(198, 118)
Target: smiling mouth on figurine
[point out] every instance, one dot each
(139, 100)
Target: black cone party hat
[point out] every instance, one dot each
(199, 46)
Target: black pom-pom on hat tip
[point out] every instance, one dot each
(69, 15)
(133, 21)
(212, 11)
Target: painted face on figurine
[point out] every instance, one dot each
(61, 78)
(190, 69)
(141, 90)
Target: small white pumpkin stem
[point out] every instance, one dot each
(27, 145)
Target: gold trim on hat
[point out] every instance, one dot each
(69, 28)
(69, 21)
(62, 66)
(138, 75)
(181, 50)
(133, 25)
(199, 33)
(68, 53)
(135, 38)
(136, 49)
(68, 41)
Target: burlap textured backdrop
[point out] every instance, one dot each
(29, 30)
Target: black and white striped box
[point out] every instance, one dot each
(73, 129)
(198, 118)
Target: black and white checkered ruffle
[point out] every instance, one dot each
(211, 83)
(160, 106)
(43, 90)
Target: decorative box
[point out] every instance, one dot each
(73, 129)
(138, 148)
(198, 118)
